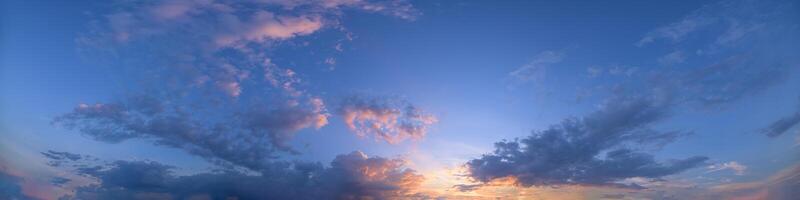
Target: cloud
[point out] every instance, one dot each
(350, 176)
(740, 50)
(190, 45)
(246, 139)
(734, 166)
(780, 186)
(397, 8)
(782, 125)
(731, 79)
(731, 20)
(586, 151)
(536, 69)
(676, 57)
(265, 26)
(202, 79)
(678, 30)
(55, 155)
(387, 119)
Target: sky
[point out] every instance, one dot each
(399, 99)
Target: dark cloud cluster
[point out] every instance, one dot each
(592, 150)
(248, 139)
(388, 119)
(350, 176)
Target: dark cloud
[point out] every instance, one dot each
(383, 118)
(782, 125)
(55, 155)
(249, 139)
(592, 150)
(350, 176)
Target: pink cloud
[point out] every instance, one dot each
(384, 120)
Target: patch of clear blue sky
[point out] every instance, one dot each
(453, 61)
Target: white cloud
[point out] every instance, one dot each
(536, 69)
(734, 166)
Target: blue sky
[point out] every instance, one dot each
(627, 99)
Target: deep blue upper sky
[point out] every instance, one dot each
(606, 98)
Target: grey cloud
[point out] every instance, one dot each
(350, 176)
(586, 151)
(59, 181)
(55, 155)
(782, 125)
(249, 142)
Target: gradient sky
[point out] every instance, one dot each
(395, 99)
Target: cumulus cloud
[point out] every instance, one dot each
(590, 150)
(350, 176)
(387, 119)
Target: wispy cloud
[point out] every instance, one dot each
(782, 125)
(744, 56)
(676, 57)
(256, 134)
(536, 69)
